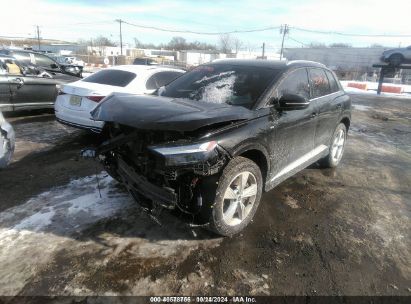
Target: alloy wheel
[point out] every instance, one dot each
(338, 146)
(239, 198)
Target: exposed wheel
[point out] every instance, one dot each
(236, 198)
(337, 147)
(395, 60)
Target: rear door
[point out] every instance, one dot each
(325, 96)
(31, 91)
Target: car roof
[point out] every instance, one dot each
(139, 68)
(273, 64)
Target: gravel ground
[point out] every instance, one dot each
(66, 228)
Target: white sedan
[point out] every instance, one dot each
(76, 100)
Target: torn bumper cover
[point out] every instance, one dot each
(166, 174)
(138, 183)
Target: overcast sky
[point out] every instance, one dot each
(71, 20)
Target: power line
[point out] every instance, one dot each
(295, 40)
(348, 34)
(269, 28)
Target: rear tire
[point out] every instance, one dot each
(232, 206)
(396, 60)
(336, 148)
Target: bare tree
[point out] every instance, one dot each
(340, 45)
(178, 43)
(225, 43)
(237, 43)
(103, 41)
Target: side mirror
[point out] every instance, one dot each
(54, 66)
(289, 102)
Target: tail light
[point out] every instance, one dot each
(95, 98)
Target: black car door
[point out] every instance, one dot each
(327, 98)
(31, 91)
(292, 134)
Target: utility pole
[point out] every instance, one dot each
(38, 35)
(263, 50)
(283, 30)
(121, 36)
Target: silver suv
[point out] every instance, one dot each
(395, 57)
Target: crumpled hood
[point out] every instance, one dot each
(164, 113)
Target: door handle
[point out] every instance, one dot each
(339, 106)
(18, 81)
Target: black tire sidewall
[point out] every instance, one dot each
(235, 166)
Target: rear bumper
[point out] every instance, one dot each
(72, 124)
(76, 118)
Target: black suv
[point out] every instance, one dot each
(215, 138)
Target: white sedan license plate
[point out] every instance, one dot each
(75, 100)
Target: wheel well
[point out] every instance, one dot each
(397, 54)
(259, 158)
(346, 121)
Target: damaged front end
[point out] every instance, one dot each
(166, 168)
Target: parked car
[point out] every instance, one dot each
(40, 60)
(144, 61)
(76, 100)
(397, 56)
(24, 87)
(7, 141)
(67, 60)
(218, 136)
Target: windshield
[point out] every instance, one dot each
(231, 84)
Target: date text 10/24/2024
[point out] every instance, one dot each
(205, 299)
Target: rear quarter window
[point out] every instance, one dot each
(116, 78)
(161, 79)
(333, 82)
(22, 56)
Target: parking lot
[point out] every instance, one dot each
(66, 228)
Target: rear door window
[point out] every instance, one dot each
(333, 82)
(116, 78)
(43, 61)
(319, 83)
(22, 56)
(295, 83)
(164, 78)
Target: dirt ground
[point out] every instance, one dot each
(66, 228)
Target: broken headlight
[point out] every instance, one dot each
(185, 154)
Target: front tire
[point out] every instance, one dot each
(236, 198)
(337, 147)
